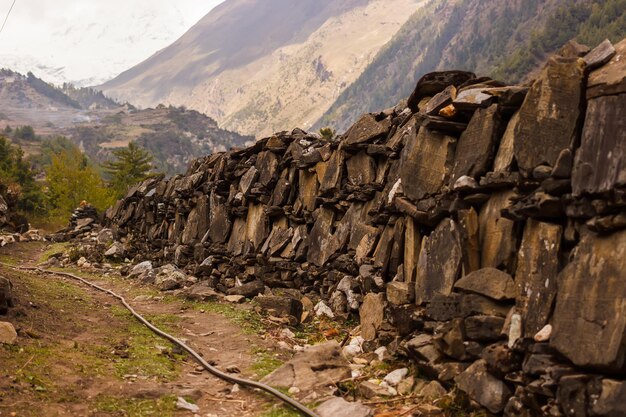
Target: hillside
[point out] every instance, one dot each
(506, 39)
(98, 124)
(258, 67)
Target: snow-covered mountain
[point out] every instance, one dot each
(90, 43)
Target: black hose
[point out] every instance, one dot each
(216, 372)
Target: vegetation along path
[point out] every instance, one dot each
(80, 353)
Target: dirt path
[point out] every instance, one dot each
(81, 354)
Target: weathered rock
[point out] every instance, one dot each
(338, 407)
(439, 263)
(474, 304)
(504, 157)
(8, 335)
(472, 98)
(440, 101)
(361, 169)
(549, 115)
(609, 79)
(483, 387)
(198, 221)
(433, 391)
(280, 306)
(366, 129)
(400, 293)
(257, 226)
(372, 313)
(611, 401)
(434, 83)
(169, 278)
(600, 161)
(202, 292)
(450, 339)
(600, 55)
(489, 282)
(497, 234)
(537, 269)
(590, 309)
(219, 221)
(313, 369)
(248, 290)
(369, 389)
(426, 163)
(484, 328)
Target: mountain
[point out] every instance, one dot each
(260, 66)
(98, 124)
(54, 47)
(506, 39)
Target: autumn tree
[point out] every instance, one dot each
(71, 179)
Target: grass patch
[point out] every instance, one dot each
(53, 249)
(248, 320)
(265, 362)
(131, 407)
(139, 347)
(280, 411)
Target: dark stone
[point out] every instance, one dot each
(441, 100)
(474, 304)
(489, 282)
(478, 145)
(550, 114)
(483, 387)
(484, 328)
(589, 320)
(366, 130)
(444, 307)
(537, 268)
(434, 83)
(439, 262)
(6, 298)
(426, 163)
(600, 161)
(280, 306)
(600, 55)
(248, 290)
(609, 79)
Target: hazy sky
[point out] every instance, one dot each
(80, 40)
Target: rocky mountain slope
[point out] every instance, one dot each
(259, 66)
(506, 39)
(479, 233)
(98, 124)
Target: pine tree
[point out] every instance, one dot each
(130, 166)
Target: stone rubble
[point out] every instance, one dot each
(479, 232)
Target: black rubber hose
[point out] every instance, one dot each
(214, 371)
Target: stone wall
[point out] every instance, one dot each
(478, 229)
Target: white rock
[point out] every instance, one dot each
(321, 309)
(394, 378)
(287, 333)
(354, 348)
(294, 390)
(141, 268)
(382, 353)
(82, 261)
(515, 332)
(544, 334)
(182, 404)
(338, 407)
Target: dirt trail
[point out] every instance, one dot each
(81, 354)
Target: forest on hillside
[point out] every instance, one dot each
(506, 40)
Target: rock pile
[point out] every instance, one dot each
(83, 222)
(477, 229)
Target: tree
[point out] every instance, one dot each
(327, 133)
(130, 166)
(18, 179)
(71, 180)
